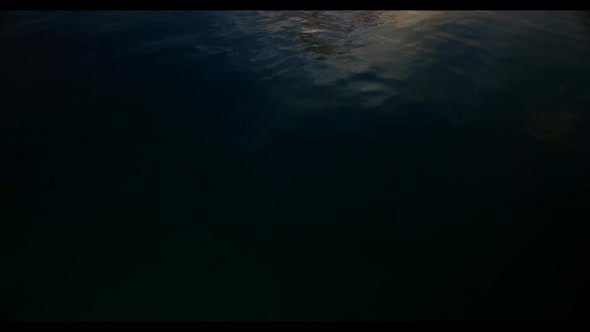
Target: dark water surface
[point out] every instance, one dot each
(294, 165)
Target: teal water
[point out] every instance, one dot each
(365, 165)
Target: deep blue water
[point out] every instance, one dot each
(278, 165)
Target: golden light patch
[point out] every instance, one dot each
(553, 126)
(406, 18)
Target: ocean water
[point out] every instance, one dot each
(294, 165)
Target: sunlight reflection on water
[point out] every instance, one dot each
(466, 61)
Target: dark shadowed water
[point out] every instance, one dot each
(281, 165)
